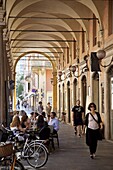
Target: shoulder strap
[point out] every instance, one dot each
(93, 118)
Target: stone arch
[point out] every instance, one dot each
(55, 78)
(16, 9)
(92, 6)
(53, 63)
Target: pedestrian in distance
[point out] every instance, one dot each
(48, 110)
(18, 104)
(93, 122)
(64, 117)
(40, 108)
(77, 118)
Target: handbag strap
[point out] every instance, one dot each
(94, 118)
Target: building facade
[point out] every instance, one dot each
(70, 34)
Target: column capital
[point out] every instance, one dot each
(5, 35)
(8, 55)
(54, 73)
(14, 73)
(2, 13)
(7, 47)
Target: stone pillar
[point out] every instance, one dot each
(1, 76)
(14, 100)
(2, 24)
(12, 91)
(54, 91)
(6, 66)
(5, 87)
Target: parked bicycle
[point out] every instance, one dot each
(8, 158)
(31, 149)
(34, 151)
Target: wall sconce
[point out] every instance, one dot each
(100, 55)
(52, 82)
(59, 75)
(73, 69)
(59, 79)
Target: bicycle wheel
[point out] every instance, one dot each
(37, 155)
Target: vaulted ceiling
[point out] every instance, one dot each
(48, 26)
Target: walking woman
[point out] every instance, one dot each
(93, 122)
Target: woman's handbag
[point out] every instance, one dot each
(99, 135)
(87, 139)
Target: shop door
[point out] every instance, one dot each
(68, 101)
(59, 101)
(111, 106)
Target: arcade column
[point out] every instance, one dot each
(55, 91)
(2, 24)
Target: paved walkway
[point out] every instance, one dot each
(73, 153)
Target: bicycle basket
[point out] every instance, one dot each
(6, 149)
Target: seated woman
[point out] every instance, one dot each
(44, 131)
(44, 115)
(41, 123)
(15, 113)
(16, 127)
(33, 119)
(25, 122)
(22, 113)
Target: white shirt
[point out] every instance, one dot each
(14, 128)
(92, 123)
(55, 123)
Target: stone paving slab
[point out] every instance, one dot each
(73, 153)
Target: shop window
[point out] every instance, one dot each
(102, 97)
(74, 44)
(83, 42)
(59, 65)
(63, 61)
(67, 55)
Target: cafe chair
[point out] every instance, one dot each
(53, 136)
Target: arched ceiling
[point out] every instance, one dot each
(54, 21)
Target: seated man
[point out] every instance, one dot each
(54, 122)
